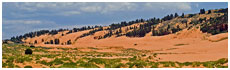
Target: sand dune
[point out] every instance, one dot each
(186, 45)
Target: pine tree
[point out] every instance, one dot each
(69, 42)
(176, 15)
(51, 41)
(202, 11)
(182, 15)
(209, 11)
(35, 42)
(56, 41)
(42, 40)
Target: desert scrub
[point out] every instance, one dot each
(133, 58)
(43, 62)
(137, 63)
(219, 39)
(196, 64)
(82, 64)
(118, 65)
(50, 56)
(109, 63)
(69, 65)
(57, 61)
(209, 64)
(93, 48)
(28, 67)
(98, 60)
(21, 59)
(154, 64)
(10, 59)
(4, 65)
(168, 64)
(10, 65)
(180, 44)
(187, 63)
(66, 59)
(216, 64)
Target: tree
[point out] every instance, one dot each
(209, 11)
(202, 11)
(28, 51)
(32, 46)
(168, 27)
(120, 31)
(56, 41)
(182, 15)
(69, 42)
(51, 41)
(176, 15)
(171, 17)
(35, 42)
(178, 28)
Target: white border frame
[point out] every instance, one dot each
(110, 1)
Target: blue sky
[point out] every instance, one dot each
(23, 17)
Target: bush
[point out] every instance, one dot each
(57, 61)
(28, 51)
(98, 60)
(88, 65)
(69, 65)
(119, 65)
(137, 63)
(10, 65)
(32, 46)
(4, 65)
(28, 67)
(187, 63)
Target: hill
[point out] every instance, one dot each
(210, 22)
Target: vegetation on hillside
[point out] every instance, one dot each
(211, 21)
(13, 56)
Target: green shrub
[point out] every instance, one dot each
(69, 65)
(10, 65)
(209, 64)
(133, 59)
(98, 60)
(23, 58)
(187, 63)
(222, 61)
(154, 66)
(16, 66)
(10, 59)
(44, 62)
(165, 64)
(28, 67)
(196, 64)
(57, 61)
(119, 65)
(88, 65)
(28, 51)
(137, 63)
(4, 65)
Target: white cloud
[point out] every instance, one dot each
(91, 8)
(19, 27)
(175, 6)
(69, 13)
(197, 5)
(27, 22)
(74, 8)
